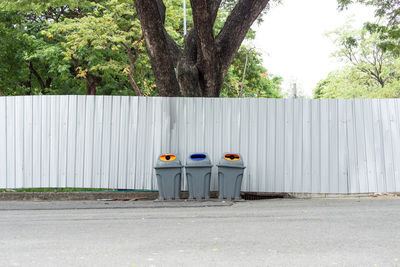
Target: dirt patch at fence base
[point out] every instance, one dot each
(68, 196)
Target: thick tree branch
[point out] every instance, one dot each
(236, 27)
(190, 43)
(38, 77)
(213, 6)
(204, 28)
(187, 71)
(157, 47)
(48, 82)
(161, 9)
(174, 51)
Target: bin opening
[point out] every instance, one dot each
(168, 157)
(232, 157)
(198, 156)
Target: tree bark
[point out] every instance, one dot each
(91, 84)
(157, 47)
(200, 69)
(236, 27)
(43, 85)
(92, 81)
(208, 62)
(48, 82)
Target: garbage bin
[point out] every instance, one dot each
(198, 174)
(230, 176)
(168, 171)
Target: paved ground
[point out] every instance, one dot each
(284, 232)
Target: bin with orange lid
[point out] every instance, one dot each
(230, 176)
(168, 172)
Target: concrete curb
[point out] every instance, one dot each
(362, 195)
(71, 196)
(93, 204)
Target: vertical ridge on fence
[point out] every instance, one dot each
(288, 145)
(396, 139)
(369, 145)
(3, 143)
(394, 124)
(297, 178)
(280, 146)
(306, 156)
(387, 145)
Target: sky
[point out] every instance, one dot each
(293, 43)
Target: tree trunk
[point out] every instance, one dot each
(92, 81)
(91, 84)
(155, 36)
(200, 69)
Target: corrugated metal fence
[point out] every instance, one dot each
(289, 145)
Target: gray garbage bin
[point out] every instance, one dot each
(230, 176)
(168, 171)
(198, 174)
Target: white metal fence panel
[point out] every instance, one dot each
(288, 145)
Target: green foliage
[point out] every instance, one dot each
(74, 45)
(40, 6)
(345, 83)
(67, 46)
(372, 55)
(97, 44)
(228, 5)
(371, 71)
(349, 83)
(388, 30)
(174, 19)
(257, 83)
(389, 9)
(362, 49)
(12, 44)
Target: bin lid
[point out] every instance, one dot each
(231, 160)
(168, 161)
(198, 160)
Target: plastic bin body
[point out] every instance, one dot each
(198, 175)
(168, 172)
(230, 176)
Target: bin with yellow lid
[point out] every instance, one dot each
(168, 172)
(230, 176)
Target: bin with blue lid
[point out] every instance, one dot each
(198, 174)
(230, 176)
(169, 172)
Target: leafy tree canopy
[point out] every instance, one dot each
(370, 71)
(388, 13)
(97, 47)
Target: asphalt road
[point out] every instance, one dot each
(285, 232)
